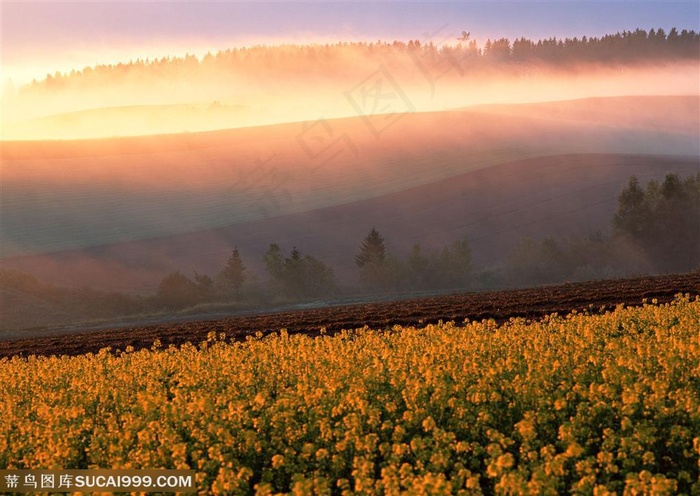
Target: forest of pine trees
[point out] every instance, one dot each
(663, 219)
(623, 47)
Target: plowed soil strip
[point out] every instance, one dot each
(501, 306)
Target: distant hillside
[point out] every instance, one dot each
(494, 207)
(77, 194)
(119, 213)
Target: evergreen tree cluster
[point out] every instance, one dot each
(663, 219)
(551, 261)
(656, 229)
(627, 46)
(178, 291)
(299, 276)
(339, 58)
(448, 268)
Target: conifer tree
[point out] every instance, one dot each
(372, 250)
(233, 275)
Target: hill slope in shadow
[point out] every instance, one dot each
(494, 207)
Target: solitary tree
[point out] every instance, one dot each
(461, 257)
(294, 276)
(204, 284)
(451, 266)
(233, 275)
(378, 270)
(274, 261)
(418, 267)
(320, 279)
(372, 250)
(177, 291)
(633, 215)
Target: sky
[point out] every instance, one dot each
(44, 37)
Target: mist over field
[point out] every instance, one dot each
(511, 155)
(272, 85)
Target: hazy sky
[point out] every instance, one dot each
(42, 37)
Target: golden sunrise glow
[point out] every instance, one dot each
(145, 101)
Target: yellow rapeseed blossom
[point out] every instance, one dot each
(585, 404)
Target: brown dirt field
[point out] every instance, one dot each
(528, 303)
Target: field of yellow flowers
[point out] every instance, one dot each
(583, 404)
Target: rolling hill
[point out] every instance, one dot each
(119, 213)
